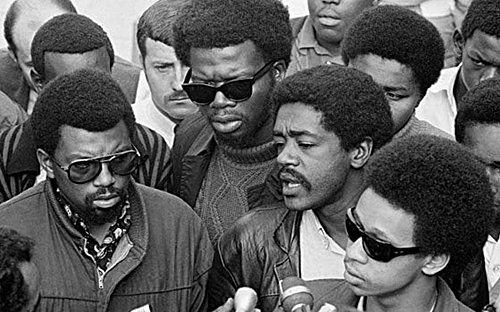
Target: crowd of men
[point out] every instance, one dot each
(345, 150)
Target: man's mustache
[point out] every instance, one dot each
(296, 176)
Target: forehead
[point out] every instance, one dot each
(82, 143)
(158, 49)
(298, 117)
(57, 64)
(385, 72)
(488, 46)
(483, 140)
(384, 220)
(224, 63)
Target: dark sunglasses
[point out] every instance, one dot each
(84, 170)
(376, 250)
(236, 90)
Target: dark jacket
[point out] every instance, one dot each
(471, 287)
(166, 266)
(192, 151)
(261, 249)
(13, 84)
(19, 165)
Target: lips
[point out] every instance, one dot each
(225, 124)
(351, 276)
(106, 201)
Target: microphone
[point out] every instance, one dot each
(245, 299)
(295, 296)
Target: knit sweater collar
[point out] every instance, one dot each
(250, 155)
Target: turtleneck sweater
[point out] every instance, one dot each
(223, 195)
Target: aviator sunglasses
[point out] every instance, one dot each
(376, 250)
(84, 170)
(236, 90)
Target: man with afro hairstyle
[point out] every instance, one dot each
(102, 241)
(329, 121)
(477, 127)
(19, 278)
(426, 212)
(318, 36)
(404, 53)
(22, 20)
(167, 104)
(477, 44)
(237, 50)
(63, 44)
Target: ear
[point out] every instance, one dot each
(279, 70)
(361, 153)
(458, 43)
(12, 54)
(46, 162)
(434, 264)
(37, 80)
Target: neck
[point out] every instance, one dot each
(419, 296)
(459, 88)
(332, 215)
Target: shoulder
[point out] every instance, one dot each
(25, 209)
(257, 225)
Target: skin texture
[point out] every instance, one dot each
(398, 83)
(57, 64)
(95, 201)
(22, 34)
(331, 18)
(484, 141)
(237, 124)
(480, 56)
(395, 284)
(308, 154)
(165, 74)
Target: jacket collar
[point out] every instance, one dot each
(286, 237)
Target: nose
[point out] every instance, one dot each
(355, 251)
(178, 79)
(221, 101)
(491, 72)
(287, 155)
(105, 177)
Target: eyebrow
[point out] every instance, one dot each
(376, 233)
(294, 133)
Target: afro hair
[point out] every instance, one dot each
(444, 187)
(483, 15)
(14, 250)
(17, 8)
(353, 106)
(478, 106)
(157, 23)
(208, 24)
(68, 33)
(396, 33)
(84, 99)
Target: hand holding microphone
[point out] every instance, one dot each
(245, 300)
(295, 296)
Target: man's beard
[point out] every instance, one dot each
(97, 216)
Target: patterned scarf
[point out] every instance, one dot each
(100, 254)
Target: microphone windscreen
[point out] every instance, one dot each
(245, 299)
(295, 294)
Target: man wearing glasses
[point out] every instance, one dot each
(477, 127)
(329, 120)
(236, 51)
(63, 44)
(102, 241)
(425, 213)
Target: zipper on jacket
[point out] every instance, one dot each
(100, 277)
